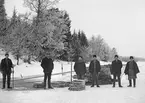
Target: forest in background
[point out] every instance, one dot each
(30, 37)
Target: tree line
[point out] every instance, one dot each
(48, 33)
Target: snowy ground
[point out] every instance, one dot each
(25, 70)
(104, 94)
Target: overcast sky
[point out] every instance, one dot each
(120, 22)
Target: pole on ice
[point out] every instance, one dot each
(62, 68)
(69, 60)
(70, 54)
(71, 71)
(13, 78)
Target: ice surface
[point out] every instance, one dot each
(104, 94)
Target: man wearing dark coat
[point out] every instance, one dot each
(80, 68)
(94, 69)
(116, 70)
(47, 65)
(131, 70)
(6, 65)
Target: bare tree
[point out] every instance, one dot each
(96, 44)
(39, 6)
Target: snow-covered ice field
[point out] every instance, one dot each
(104, 94)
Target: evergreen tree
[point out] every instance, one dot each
(50, 36)
(68, 23)
(2, 18)
(12, 22)
(76, 45)
(67, 40)
(17, 33)
(14, 19)
(83, 39)
(17, 37)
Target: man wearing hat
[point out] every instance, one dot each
(94, 69)
(6, 65)
(116, 70)
(47, 65)
(131, 70)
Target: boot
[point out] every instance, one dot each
(97, 85)
(130, 83)
(119, 83)
(114, 80)
(92, 85)
(3, 86)
(44, 85)
(4, 82)
(49, 85)
(9, 87)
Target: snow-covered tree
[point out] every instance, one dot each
(113, 52)
(83, 39)
(18, 30)
(99, 47)
(96, 44)
(18, 37)
(79, 44)
(67, 40)
(39, 6)
(49, 35)
(2, 18)
(76, 46)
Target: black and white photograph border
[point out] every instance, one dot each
(72, 51)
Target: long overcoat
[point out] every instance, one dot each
(47, 65)
(80, 67)
(135, 68)
(6, 68)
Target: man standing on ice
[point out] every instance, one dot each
(116, 70)
(94, 69)
(6, 65)
(131, 70)
(47, 65)
(80, 68)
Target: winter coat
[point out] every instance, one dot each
(6, 68)
(135, 68)
(116, 67)
(47, 65)
(80, 67)
(97, 66)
